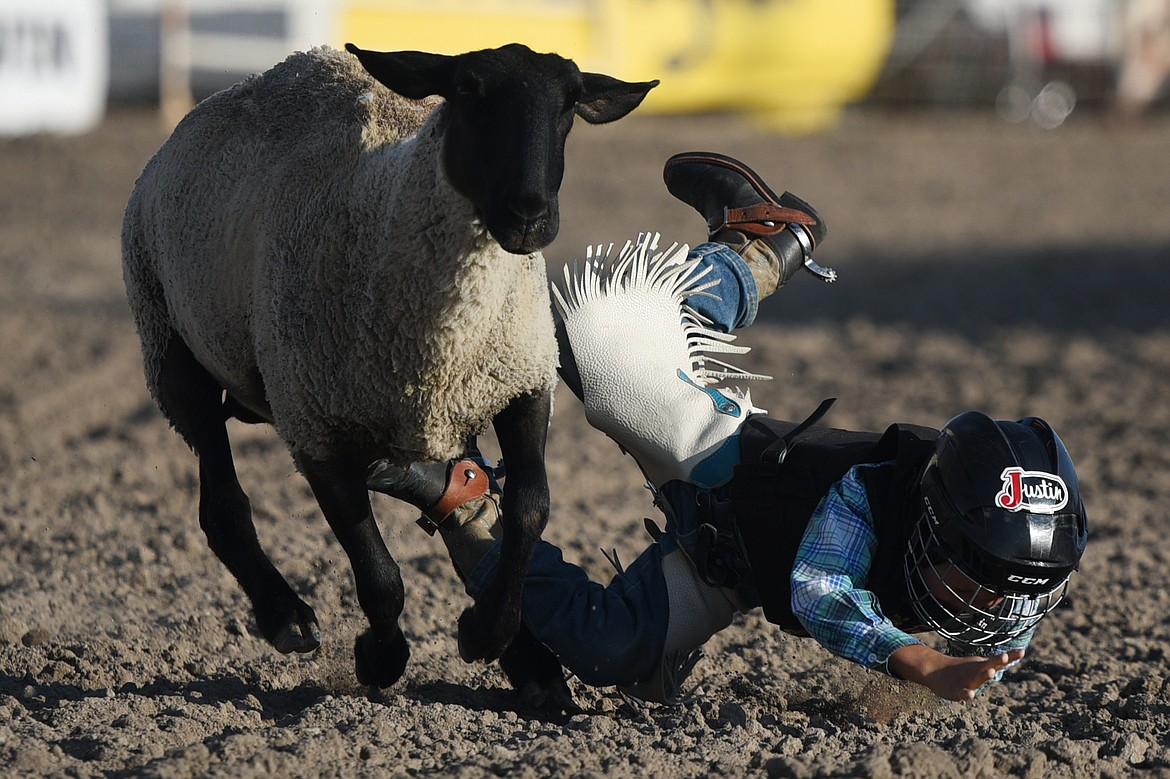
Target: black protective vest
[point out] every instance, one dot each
(778, 484)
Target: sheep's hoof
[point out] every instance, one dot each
(480, 641)
(537, 676)
(548, 696)
(297, 638)
(290, 630)
(380, 663)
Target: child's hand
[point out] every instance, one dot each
(952, 678)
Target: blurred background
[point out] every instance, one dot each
(791, 65)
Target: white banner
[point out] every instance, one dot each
(54, 65)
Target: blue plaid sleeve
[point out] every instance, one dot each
(828, 577)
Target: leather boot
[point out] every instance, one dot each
(454, 497)
(775, 235)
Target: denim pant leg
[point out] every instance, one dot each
(737, 299)
(606, 635)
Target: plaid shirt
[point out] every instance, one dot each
(829, 577)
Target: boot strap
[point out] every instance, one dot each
(762, 219)
(465, 480)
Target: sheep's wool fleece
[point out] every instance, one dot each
(645, 359)
(296, 231)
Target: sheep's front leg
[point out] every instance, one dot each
(486, 628)
(380, 654)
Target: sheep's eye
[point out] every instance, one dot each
(572, 97)
(467, 87)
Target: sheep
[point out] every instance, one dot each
(348, 248)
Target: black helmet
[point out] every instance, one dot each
(1002, 529)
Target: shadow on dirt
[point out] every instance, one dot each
(273, 704)
(501, 700)
(1077, 290)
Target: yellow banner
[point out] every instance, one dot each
(792, 63)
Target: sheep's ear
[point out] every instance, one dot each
(413, 74)
(605, 98)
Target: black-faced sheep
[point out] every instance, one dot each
(318, 249)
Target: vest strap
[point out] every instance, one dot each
(775, 452)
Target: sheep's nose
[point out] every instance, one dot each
(530, 207)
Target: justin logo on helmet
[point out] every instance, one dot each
(1036, 491)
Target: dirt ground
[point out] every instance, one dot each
(983, 265)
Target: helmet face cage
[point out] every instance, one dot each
(961, 609)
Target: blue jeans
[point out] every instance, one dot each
(737, 298)
(614, 634)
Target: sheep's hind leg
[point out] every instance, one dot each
(487, 627)
(193, 401)
(381, 653)
(537, 675)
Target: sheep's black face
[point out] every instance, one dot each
(505, 143)
(509, 113)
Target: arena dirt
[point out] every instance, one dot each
(983, 265)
